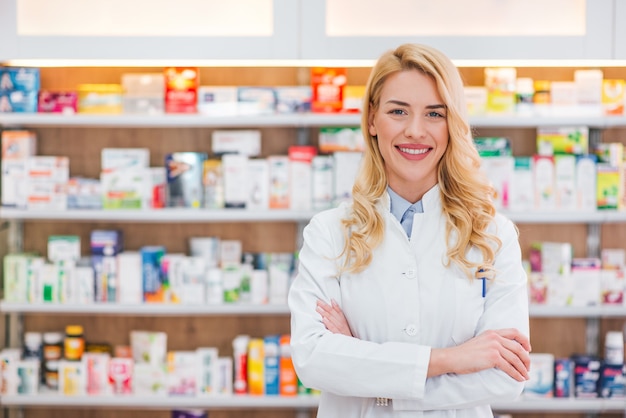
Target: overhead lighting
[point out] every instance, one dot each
(348, 63)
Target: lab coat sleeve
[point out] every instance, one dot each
(506, 306)
(336, 363)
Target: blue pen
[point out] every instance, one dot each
(484, 283)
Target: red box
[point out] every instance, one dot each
(181, 90)
(327, 86)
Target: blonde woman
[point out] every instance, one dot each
(411, 301)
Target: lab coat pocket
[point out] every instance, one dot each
(469, 306)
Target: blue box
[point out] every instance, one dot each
(17, 101)
(152, 278)
(271, 345)
(106, 242)
(19, 79)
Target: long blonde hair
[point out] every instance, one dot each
(465, 192)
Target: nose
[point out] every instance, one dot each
(415, 127)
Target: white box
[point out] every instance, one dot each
(235, 169)
(541, 382)
(346, 165)
(500, 171)
(322, 171)
(522, 193)
(300, 185)
(217, 100)
(13, 183)
(258, 184)
(85, 281)
(245, 142)
(565, 182)
(225, 383)
(127, 189)
(113, 159)
(129, 273)
(149, 380)
(208, 371)
(543, 178)
(279, 181)
(586, 286)
(48, 169)
(586, 183)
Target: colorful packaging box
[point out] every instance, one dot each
(18, 101)
(100, 98)
(256, 100)
(563, 140)
(20, 79)
(184, 179)
(153, 288)
(613, 92)
(57, 102)
(327, 87)
(609, 192)
(501, 87)
(181, 89)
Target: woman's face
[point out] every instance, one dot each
(412, 131)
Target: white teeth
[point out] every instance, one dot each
(414, 151)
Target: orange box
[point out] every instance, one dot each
(181, 90)
(327, 85)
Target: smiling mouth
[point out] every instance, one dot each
(414, 151)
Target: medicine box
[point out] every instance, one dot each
(18, 101)
(20, 79)
(184, 179)
(112, 159)
(235, 171)
(100, 98)
(57, 102)
(563, 140)
(181, 89)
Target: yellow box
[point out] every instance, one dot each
(256, 366)
(100, 98)
(610, 190)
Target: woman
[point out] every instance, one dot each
(431, 321)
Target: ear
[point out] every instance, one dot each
(370, 122)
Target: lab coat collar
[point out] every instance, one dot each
(431, 201)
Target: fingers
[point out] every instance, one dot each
(513, 334)
(333, 318)
(516, 360)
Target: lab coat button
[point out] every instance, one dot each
(410, 274)
(411, 330)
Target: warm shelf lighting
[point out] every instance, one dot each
(365, 63)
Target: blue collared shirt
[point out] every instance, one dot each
(400, 205)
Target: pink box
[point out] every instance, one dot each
(57, 102)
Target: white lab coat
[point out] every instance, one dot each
(405, 303)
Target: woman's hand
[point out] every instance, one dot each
(333, 318)
(505, 349)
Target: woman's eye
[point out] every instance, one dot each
(397, 112)
(434, 114)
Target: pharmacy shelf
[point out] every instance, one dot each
(297, 402)
(156, 309)
(602, 311)
(160, 402)
(573, 405)
(177, 120)
(179, 215)
(147, 309)
(532, 119)
(166, 215)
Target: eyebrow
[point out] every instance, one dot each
(401, 103)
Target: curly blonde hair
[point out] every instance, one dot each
(465, 191)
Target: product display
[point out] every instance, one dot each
(193, 277)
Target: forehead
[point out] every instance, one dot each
(410, 84)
